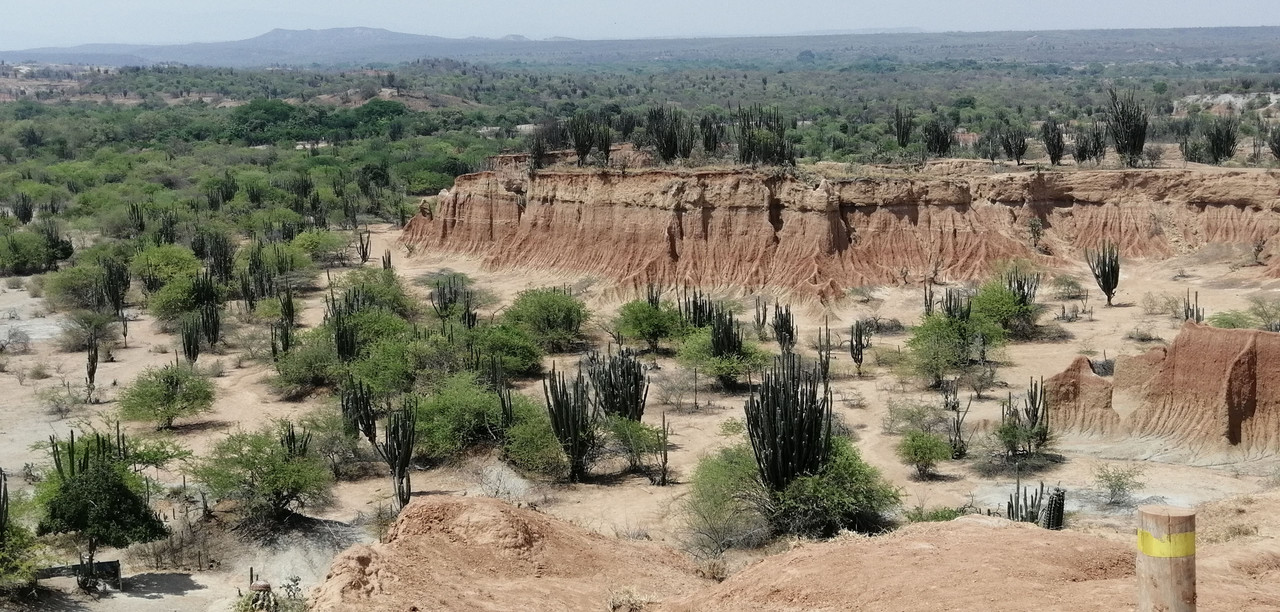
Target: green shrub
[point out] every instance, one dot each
(161, 395)
(941, 346)
(312, 362)
(456, 415)
(383, 289)
(634, 440)
(847, 494)
(531, 445)
(552, 316)
(75, 288)
(165, 262)
(640, 319)
(516, 347)
(695, 352)
(24, 253)
(941, 514)
(1118, 482)
(923, 451)
(995, 303)
(723, 509)
(322, 245)
(259, 472)
(177, 298)
(1232, 319)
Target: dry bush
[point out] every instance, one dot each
(193, 544)
(627, 600)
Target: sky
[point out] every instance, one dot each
(36, 23)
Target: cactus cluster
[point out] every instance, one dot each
(784, 328)
(569, 404)
(789, 422)
(697, 309)
(619, 384)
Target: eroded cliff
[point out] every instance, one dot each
(751, 229)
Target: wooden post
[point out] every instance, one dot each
(1166, 559)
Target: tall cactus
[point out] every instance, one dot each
(761, 319)
(191, 338)
(789, 423)
(1024, 504)
(91, 366)
(1104, 263)
(1023, 284)
(1053, 514)
(386, 260)
(1191, 311)
(1036, 413)
(784, 328)
(295, 443)
(356, 401)
(653, 295)
(364, 240)
(726, 334)
(399, 438)
(619, 384)
(957, 304)
(211, 323)
(4, 508)
(569, 406)
(859, 342)
(445, 294)
(697, 309)
(825, 348)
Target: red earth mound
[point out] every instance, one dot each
(750, 229)
(473, 554)
(1211, 389)
(466, 553)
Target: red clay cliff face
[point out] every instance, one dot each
(1210, 390)
(750, 229)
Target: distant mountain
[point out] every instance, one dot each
(342, 47)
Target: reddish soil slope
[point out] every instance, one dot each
(1211, 389)
(751, 229)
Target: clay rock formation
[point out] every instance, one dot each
(752, 229)
(972, 563)
(1210, 390)
(463, 553)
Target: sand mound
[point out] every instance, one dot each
(752, 229)
(972, 563)
(463, 553)
(1211, 389)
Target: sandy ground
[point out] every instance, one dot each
(629, 507)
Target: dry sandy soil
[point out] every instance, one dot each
(628, 508)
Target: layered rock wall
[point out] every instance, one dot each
(750, 229)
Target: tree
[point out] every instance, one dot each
(1221, 135)
(165, 394)
(1127, 122)
(989, 144)
(1013, 139)
(923, 451)
(1104, 263)
(270, 478)
(1055, 144)
(653, 324)
(939, 137)
(99, 507)
(1273, 141)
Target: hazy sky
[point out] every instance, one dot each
(32, 23)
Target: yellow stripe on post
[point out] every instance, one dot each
(1166, 559)
(1171, 546)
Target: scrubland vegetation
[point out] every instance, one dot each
(130, 193)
